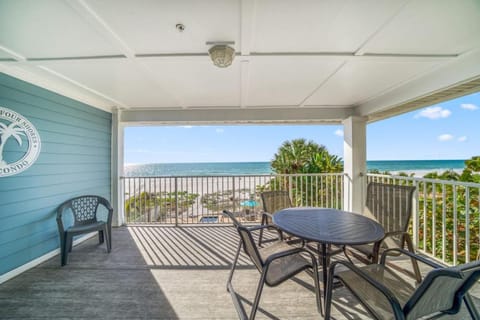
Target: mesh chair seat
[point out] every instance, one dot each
(368, 295)
(285, 267)
(87, 227)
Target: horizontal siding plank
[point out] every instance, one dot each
(48, 169)
(25, 182)
(34, 91)
(29, 253)
(26, 194)
(10, 247)
(16, 201)
(51, 110)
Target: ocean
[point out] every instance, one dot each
(258, 168)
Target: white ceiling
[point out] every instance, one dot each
(312, 60)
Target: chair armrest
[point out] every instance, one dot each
(411, 255)
(286, 253)
(259, 227)
(392, 299)
(264, 213)
(109, 207)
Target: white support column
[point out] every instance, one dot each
(117, 169)
(355, 162)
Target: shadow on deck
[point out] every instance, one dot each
(159, 272)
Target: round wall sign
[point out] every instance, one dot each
(23, 140)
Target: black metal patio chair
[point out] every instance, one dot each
(276, 263)
(85, 210)
(391, 206)
(272, 202)
(386, 294)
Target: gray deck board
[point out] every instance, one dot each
(159, 272)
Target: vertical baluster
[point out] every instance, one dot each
(455, 225)
(444, 223)
(467, 224)
(434, 219)
(425, 208)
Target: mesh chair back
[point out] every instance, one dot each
(442, 290)
(390, 205)
(247, 241)
(83, 208)
(275, 200)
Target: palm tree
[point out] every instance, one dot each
(6, 132)
(295, 156)
(300, 156)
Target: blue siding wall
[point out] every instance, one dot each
(74, 160)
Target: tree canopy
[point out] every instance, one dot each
(302, 156)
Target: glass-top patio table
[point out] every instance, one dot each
(327, 227)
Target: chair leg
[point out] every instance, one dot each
(264, 218)
(101, 236)
(68, 248)
(234, 263)
(63, 253)
(416, 269)
(328, 294)
(108, 239)
(316, 279)
(258, 295)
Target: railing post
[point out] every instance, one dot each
(176, 201)
(233, 194)
(290, 189)
(415, 217)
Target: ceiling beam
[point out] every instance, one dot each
(236, 116)
(247, 21)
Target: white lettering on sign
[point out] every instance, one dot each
(14, 126)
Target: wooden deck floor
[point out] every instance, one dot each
(156, 272)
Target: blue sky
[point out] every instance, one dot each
(449, 130)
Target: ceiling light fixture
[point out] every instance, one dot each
(221, 53)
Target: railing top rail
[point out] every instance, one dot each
(419, 179)
(243, 175)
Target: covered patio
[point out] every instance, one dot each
(156, 272)
(80, 71)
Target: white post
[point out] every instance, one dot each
(117, 169)
(355, 162)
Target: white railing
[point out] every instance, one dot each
(200, 199)
(445, 220)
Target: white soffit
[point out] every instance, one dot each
(118, 79)
(48, 29)
(318, 26)
(430, 27)
(360, 80)
(325, 55)
(286, 81)
(148, 26)
(196, 81)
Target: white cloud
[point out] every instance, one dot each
(339, 132)
(435, 112)
(468, 106)
(445, 137)
(462, 139)
(187, 127)
(219, 130)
